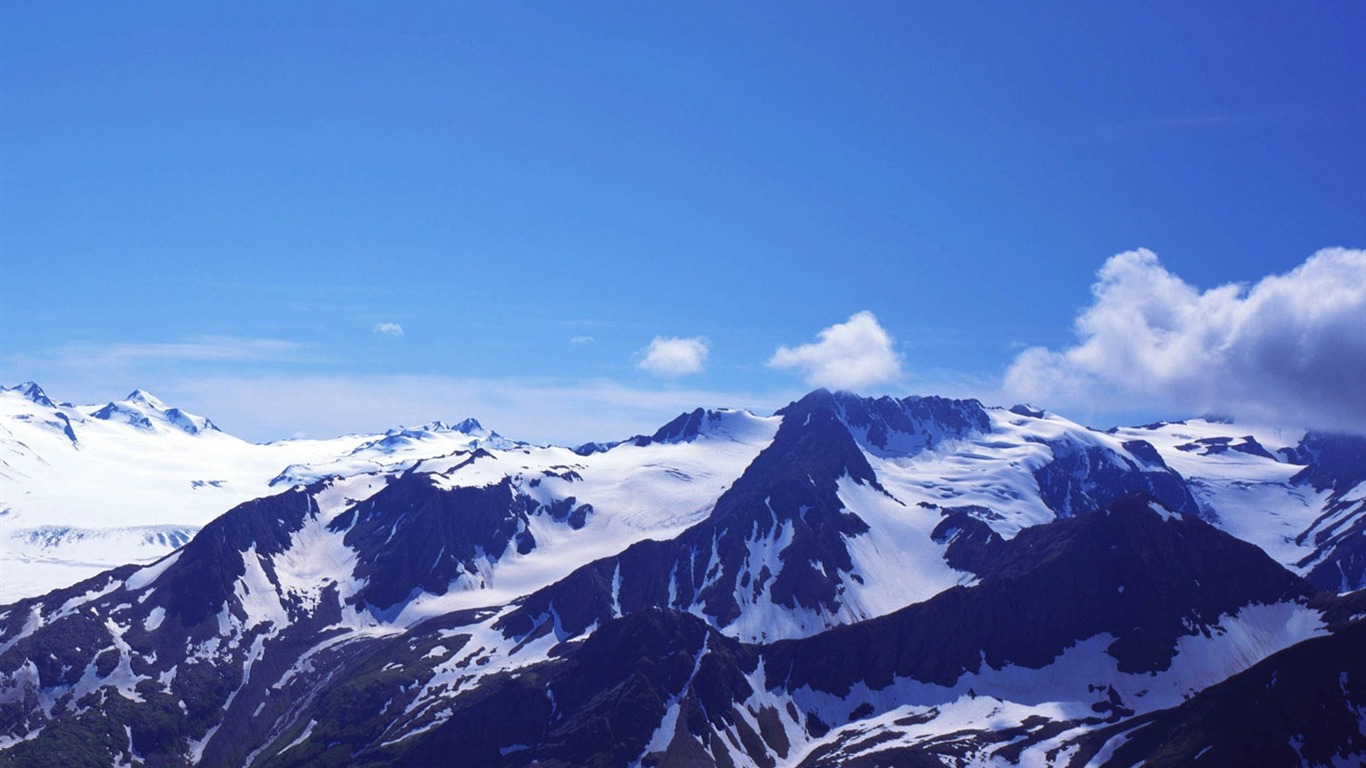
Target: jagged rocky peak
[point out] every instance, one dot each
(332, 623)
(771, 560)
(144, 410)
(467, 426)
(700, 422)
(143, 397)
(733, 423)
(399, 437)
(31, 391)
(685, 428)
(891, 426)
(1334, 461)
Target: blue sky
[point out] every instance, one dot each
(238, 207)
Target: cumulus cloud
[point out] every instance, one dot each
(671, 358)
(1290, 349)
(849, 355)
(388, 329)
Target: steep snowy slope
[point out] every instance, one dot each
(860, 507)
(1300, 497)
(318, 572)
(965, 678)
(918, 580)
(85, 488)
(1301, 706)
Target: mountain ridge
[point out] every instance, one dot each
(851, 580)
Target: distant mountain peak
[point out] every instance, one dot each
(33, 392)
(465, 427)
(691, 425)
(143, 397)
(890, 426)
(143, 410)
(468, 426)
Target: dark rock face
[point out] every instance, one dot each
(185, 634)
(1085, 477)
(1336, 464)
(33, 392)
(1301, 706)
(685, 428)
(790, 490)
(600, 702)
(414, 537)
(640, 668)
(1339, 537)
(114, 411)
(199, 583)
(972, 544)
(1215, 445)
(908, 425)
(1045, 589)
(64, 422)
(603, 700)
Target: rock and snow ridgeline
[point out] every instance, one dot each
(848, 580)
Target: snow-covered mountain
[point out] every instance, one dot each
(1300, 497)
(850, 581)
(87, 488)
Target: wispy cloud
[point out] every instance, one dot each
(854, 354)
(549, 410)
(388, 329)
(86, 372)
(673, 357)
(204, 349)
(1289, 349)
(582, 340)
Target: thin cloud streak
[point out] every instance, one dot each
(538, 410)
(203, 349)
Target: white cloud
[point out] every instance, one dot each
(1290, 349)
(388, 329)
(671, 358)
(582, 340)
(852, 355)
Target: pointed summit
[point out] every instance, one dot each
(33, 392)
(143, 397)
(468, 426)
(888, 426)
(144, 410)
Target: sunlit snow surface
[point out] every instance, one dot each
(86, 488)
(1249, 495)
(135, 485)
(147, 480)
(911, 713)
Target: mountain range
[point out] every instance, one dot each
(850, 581)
